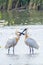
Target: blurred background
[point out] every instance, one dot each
(21, 12)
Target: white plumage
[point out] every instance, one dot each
(12, 42)
(32, 43)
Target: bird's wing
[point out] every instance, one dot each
(32, 43)
(10, 42)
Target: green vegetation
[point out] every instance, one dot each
(21, 11)
(25, 17)
(0, 15)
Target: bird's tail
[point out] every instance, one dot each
(38, 47)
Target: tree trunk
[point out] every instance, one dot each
(30, 5)
(17, 4)
(9, 4)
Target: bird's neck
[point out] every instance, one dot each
(26, 36)
(17, 38)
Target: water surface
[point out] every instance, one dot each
(22, 56)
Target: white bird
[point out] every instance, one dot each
(30, 42)
(12, 42)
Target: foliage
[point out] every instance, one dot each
(0, 15)
(23, 17)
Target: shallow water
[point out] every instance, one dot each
(22, 56)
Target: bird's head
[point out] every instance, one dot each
(18, 33)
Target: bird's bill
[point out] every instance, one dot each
(21, 33)
(25, 29)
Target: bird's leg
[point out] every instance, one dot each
(13, 49)
(32, 51)
(8, 50)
